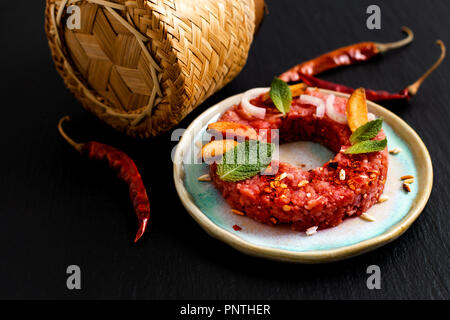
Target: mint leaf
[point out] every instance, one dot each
(246, 160)
(367, 131)
(281, 95)
(367, 146)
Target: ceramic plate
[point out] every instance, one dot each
(354, 236)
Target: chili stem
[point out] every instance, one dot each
(77, 146)
(413, 88)
(383, 47)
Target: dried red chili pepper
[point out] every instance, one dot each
(344, 56)
(126, 170)
(377, 95)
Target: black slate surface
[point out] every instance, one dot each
(58, 208)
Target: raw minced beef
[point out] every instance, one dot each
(318, 197)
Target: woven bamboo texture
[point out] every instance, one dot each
(142, 65)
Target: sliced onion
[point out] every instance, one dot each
(371, 116)
(332, 113)
(320, 106)
(253, 110)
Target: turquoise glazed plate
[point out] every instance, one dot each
(353, 237)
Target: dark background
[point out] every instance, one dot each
(58, 209)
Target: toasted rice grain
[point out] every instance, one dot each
(367, 217)
(406, 187)
(311, 231)
(302, 183)
(395, 151)
(281, 176)
(205, 178)
(239, 213)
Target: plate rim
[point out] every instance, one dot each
(408, 135)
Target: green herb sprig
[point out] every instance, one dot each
(360, 139)
(281, 95)
(246, 160)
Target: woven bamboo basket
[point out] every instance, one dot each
(142, 65)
